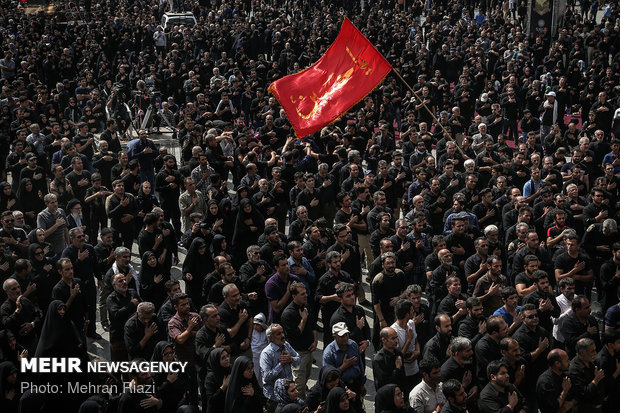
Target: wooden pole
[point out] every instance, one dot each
(431, 113)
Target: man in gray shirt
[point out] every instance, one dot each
(54, 221)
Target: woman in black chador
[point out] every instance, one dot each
(217, 378)
(198, 263)
(153, 279)
(60, 338)
(172, 390)
(244, 394)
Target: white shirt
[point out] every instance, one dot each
(424, 399)
(410, 368)
(558, 323)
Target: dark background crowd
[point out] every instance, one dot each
(457, 238)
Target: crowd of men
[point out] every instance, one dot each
(475, 221)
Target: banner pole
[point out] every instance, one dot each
(431, 113)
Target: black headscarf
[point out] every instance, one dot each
(291, 408)
(158, 355)
(32, 237)
(243, 236)
(237, 381)
(215, 369)
(195, 263)
(210, 218)
(6, 352)
(333, 401)
(212, 393)
(4, 199)
(59, 335)
(30, 201)
(384, 399)
(6, 369)
(236, 202)
(149, 290)
(37, 264)
(216, 245)
(90, 406)
(225, 209)
(146, 202)
(174, 391)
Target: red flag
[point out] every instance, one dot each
(349, 70)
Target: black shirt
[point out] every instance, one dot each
(607, 362)
(437, 347)
(134, 333)
(386, 287)
(587, 394)
(205, 339)
(469, 328)
(77, 310)
(574, 330)
(528, 342)
(230, 317)
(548, 388)
(452, 370)
(350, 319)
(494, 401)
(327, 286)
(120, 308)
(290, 319)
(486, 351)
(384, 368)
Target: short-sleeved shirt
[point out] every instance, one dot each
(275, 289)
(176, 326)
(46, 220)
(410, 368)
(612, 317)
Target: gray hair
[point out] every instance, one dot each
(7, 282)
(521, 225)
(583, 344)
(269, 331)
(49, 198)
(353, 154)
(490, 228)
(74, 231)
(610, 224)
(146, 307)
(459, 344)
(120, 251)
(251, 248)
(228, 289)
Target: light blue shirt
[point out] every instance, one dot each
(334, 356)
(272, 370)
(531, 187)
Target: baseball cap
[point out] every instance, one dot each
(340, 329)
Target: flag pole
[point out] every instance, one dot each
(430, 112)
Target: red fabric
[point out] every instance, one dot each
(349, 70)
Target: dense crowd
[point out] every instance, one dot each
(478, 214)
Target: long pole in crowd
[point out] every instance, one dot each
(429, 111)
